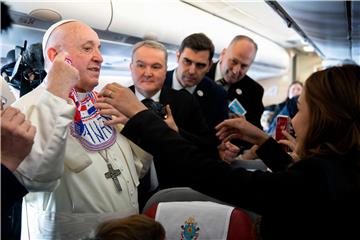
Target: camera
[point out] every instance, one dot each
(25, 68)
(156, 107)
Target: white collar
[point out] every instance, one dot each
(177, 86)
(141, 97)
(81, 95)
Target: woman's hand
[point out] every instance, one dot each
(121, 98)
(108, 110)
(290, 142)
(239, 128)
(170, 120)
(228, 151)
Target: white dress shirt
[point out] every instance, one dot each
(177, 85)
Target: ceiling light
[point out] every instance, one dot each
(308, 48)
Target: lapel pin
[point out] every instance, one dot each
(238, 91)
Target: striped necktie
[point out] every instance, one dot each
(148, 102)
(223, 83)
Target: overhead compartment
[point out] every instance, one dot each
(96, 13)
(171, 21)
(168, 21)
(331, 27)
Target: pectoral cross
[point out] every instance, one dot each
(113, 174)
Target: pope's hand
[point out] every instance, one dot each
(62, 77)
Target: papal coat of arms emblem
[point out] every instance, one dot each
(190, 230)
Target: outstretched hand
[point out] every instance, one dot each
(119, 101)
(228, 151)
(170, 120)
(239, 128)
(250, 154)
(108, 110)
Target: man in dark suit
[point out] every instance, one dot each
(230, 72)
(148, 70)
(194, 61)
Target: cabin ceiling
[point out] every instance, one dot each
(332, 28)
(255, 16)
(123, 22)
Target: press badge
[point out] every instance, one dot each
(236, 107)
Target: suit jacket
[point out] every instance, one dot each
(212, 99)
(12, 190)
(249, 93)
(315, 198)
(188, 116)
(190, 121)
(12, 193)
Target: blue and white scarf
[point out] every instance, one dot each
(88, 125)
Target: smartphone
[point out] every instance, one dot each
(236, 107)
(282, 124)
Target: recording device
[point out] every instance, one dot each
(282, 124)
(236, 107)
(156, 107)
(26, 71)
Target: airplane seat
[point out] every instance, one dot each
(184, 213)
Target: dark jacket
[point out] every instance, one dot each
(188, 117)
(316, 198)
(212, 99)
(249, 93)
(11, 193)
(190, 121)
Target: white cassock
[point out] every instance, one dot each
(69, 193)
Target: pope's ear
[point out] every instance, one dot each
(51, 53)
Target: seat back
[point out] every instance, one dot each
(189, 221)
(178, 194)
